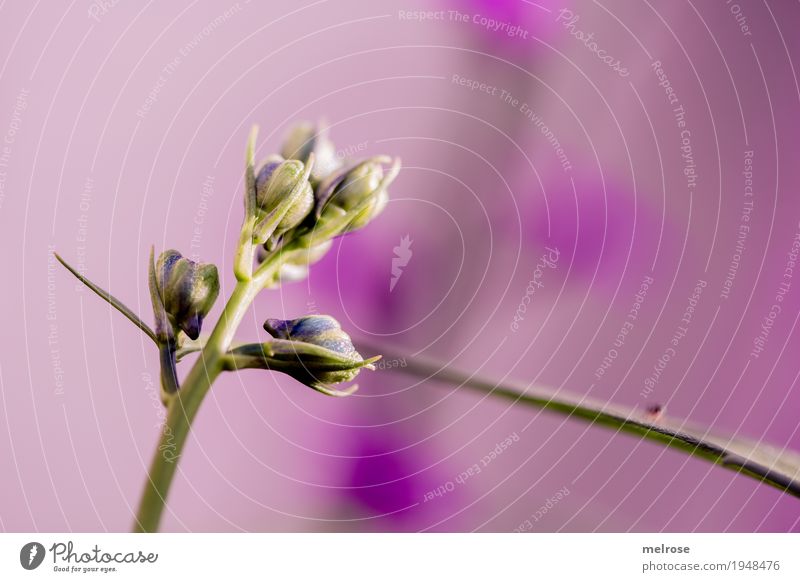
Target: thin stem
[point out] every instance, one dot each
(116, 303)
(169, 373)
(181, 411)
(183, 407)
(779, 468)
(243, 261)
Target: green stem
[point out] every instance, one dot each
(183, 407)
(771, 465)
(169, 374)
(181, 411)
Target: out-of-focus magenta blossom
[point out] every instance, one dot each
(601, 230)
(393, 482)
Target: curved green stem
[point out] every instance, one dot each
(774, 466)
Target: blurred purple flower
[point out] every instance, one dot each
(391, 479)
(601, 230)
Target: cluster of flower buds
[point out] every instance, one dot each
(296, 203)
(306, 196)
(313, 350)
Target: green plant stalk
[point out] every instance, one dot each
(182, 408)
(777, 467)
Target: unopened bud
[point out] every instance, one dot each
(307, 138)
(276, 182)
(186, 290)
(360, 191)
(313, 350)
(319, 330)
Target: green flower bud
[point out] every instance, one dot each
(283, 183)
(379, 202)
(356, 195)
(357, 185)
(307, 138)
(185, 290)
(313, 350)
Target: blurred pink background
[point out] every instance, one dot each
(123, 126)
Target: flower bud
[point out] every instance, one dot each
(319, 330)
(357, 185)
(305, 139)
(313, 350)
(359, 191)
(283, 182)
(186, 290)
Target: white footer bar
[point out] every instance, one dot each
(388, 557)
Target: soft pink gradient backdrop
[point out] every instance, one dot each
(481, 195)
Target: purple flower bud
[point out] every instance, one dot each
(186, 289)
(319, 330)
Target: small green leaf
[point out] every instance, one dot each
(113, 301)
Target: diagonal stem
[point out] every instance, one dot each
(777, 467)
